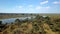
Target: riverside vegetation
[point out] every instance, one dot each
(38, 25)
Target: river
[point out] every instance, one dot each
(10, 20)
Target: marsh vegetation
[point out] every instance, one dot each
(38, 25)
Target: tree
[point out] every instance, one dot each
(47, 17)
(0, 22)
(18, 22)
(39, 17)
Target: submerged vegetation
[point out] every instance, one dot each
(38, 25)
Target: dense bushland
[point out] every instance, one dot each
(38, 25)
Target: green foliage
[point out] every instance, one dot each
(37, 25)
(17, 32)
(17, 20)
(5, 32)
(0, 22)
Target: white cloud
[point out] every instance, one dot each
(56, 2)
(28, 9)
(42, 8)
(45, 2)
(30, 5)
(20, 6)
(17, 9)
(47, 7)
(38, 7)
(22, 9)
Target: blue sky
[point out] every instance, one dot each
(29, 6)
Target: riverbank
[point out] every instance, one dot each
(39, 25)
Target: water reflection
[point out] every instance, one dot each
(13, 19)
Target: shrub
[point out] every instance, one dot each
(0, 22)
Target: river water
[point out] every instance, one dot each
(10, 20)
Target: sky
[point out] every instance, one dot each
(29, 6)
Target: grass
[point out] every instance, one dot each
(40, 25)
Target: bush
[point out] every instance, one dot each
(5, 32)
(0, 22)
(17, 20)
